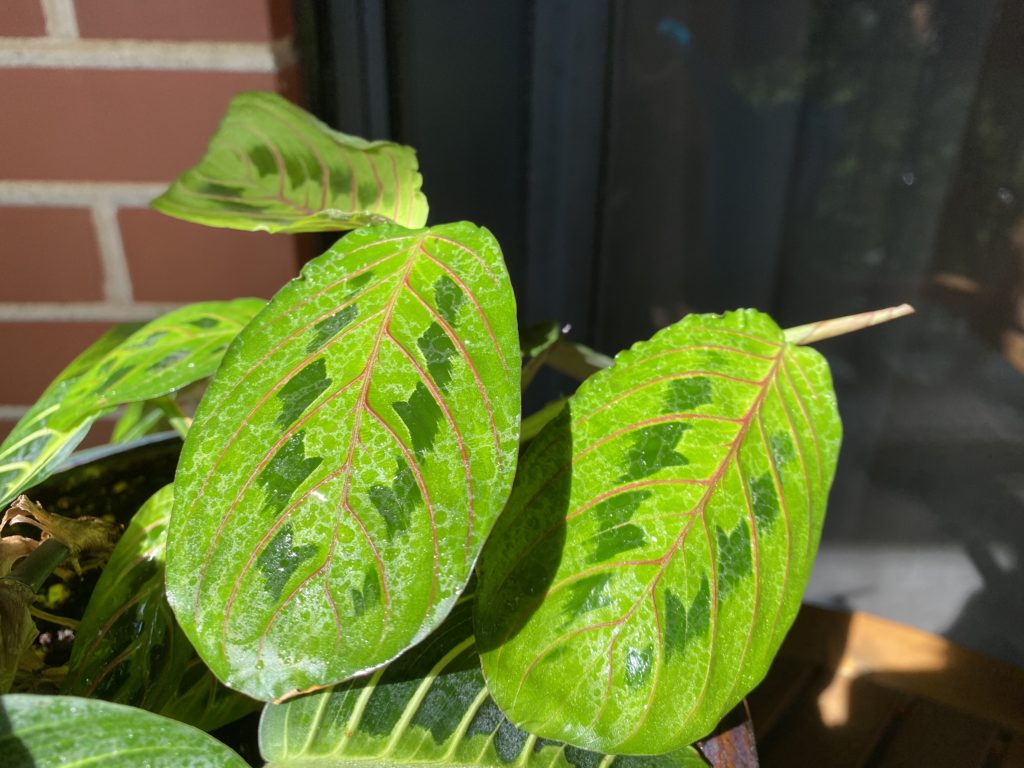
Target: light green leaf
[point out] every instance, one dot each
(659, 537)
(129, 648)
(348, 460)
(535, 422)
(274, 167)
(40, 441)
(138, 420)
(166, 354)
(66, 731)
(127, 364)
(429, 707)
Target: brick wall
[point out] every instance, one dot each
(104, 102)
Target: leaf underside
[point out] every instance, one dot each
(130, 650)
(348, 460)
(273, 167)
(659, 537)
(429, 707)
(59, 731)
(127, 364)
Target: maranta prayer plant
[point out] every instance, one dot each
(360, 533)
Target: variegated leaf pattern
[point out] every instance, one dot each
(168, 353)
(429, 707)
(348, 460)
(127, 364)
(273, 167)
(70, 732)
(659, 537)
(40, 441)
(130, 650)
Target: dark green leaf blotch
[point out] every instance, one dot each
(263, 160)
(387, 702)
(281, 558)
(301, 391)
(582, 758)
(765, 501)
(586, 595)
(449, 298)
(394, 503)
(687, 394)
(438, 349)
(147, 341)
(366, 598)
(638, 665)
(168, 360)
(734, 557)
(782, 448)
(420, 415)
(331, 326)
(356, 284)
(287, 471)
(509, 741)
(654, 449)
(119, 374)
(683, 625)
(448, 700)
(613, 541)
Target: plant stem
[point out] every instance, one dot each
(53, 618)
(838, 326)
(175, 416)
(37, 567)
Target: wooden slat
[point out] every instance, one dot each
(938, 737)
(911, 661)
(777, 693)
(836, 723)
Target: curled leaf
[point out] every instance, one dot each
(274, 167)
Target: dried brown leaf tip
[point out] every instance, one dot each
(84, 535)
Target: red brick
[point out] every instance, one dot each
(34, 353)
(229, 20)
(114, 125)
(22, 18)
(173, 260)
(50, 254)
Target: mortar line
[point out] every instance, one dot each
(117, 281)
(62, 194)
(193, 56)
(83, 311)
(61, 19)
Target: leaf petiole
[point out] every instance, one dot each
(839, 326)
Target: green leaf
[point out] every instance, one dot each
(138, 420)
(348, 460)
(535, 422)
(168, 353)
(66, 731)
(40, 441)
(659, 537)
(274, 167)
(129, 648)
(430, 707)
(128, 363)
